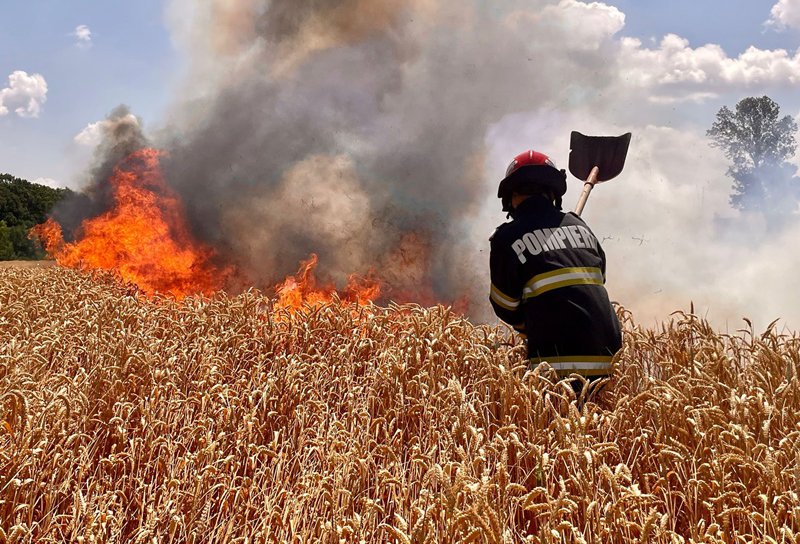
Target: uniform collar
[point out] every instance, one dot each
(535, 203)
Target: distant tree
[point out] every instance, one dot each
(759, 143)
(22, 205)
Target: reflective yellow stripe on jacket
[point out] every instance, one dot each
(590, 365)
(503, 300)
(563, 277)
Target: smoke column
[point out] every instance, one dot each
(121, 135)
(353, 129)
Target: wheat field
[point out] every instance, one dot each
(126, 419)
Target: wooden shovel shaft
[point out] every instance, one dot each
(591, 181)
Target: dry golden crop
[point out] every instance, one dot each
(124, 419)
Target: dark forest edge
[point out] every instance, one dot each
(23, 205)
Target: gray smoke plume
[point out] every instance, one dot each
(354, 129)
(121, 134)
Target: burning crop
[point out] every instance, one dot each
(130, 419)
(303, 288)
(143, 237)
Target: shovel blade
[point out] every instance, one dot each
(606, 152)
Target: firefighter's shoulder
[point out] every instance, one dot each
(575, 217)
(498, 232)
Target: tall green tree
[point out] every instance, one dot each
(759, 143)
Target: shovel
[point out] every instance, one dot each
(596, 159)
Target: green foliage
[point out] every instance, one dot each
(6, 246)
(759, 143)
(22, 205)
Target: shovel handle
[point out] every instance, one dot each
(591, 181)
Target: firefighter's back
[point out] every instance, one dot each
(569, 320)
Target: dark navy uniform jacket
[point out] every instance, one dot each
(548, 276)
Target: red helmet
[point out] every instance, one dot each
(531, 168)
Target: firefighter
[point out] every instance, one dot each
(548, 274)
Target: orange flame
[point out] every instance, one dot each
(303, 288)
(144, 238)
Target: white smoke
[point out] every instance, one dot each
(49, 182)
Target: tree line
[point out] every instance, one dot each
(23, 205)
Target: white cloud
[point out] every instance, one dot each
(786, 13)
(83, 35)
(679, 72)
(24, 95)
(93, 133)
(671, 69)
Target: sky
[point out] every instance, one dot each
(658, 69)
(125, 56)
